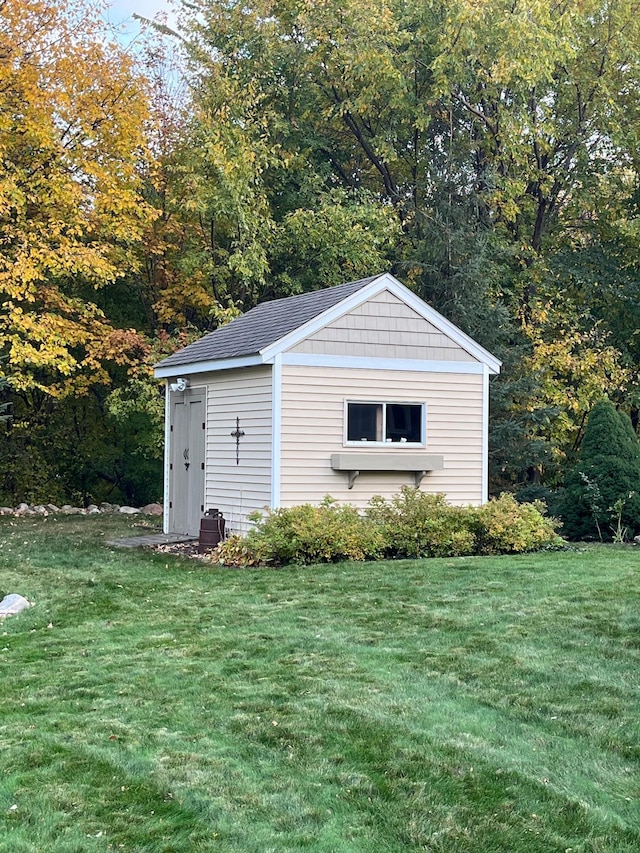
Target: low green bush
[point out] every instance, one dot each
(416, 524)
(236, 551)
(504, 526)
(412, 524)
(306, 534)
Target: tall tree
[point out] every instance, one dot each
(489, 142)
(72, 117)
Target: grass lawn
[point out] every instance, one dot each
(458, 705)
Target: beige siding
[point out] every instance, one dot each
(238, 489)
(383, 327)
(312, 429)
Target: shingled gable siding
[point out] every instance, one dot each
(312, 429)
(387, 325)
(237, 490)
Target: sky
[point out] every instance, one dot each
(120, 14)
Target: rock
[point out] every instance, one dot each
(67, 509)
(105, 506)
(129, 510)
(6, 510)
(38, 509)
(52, 508)
(152, 509)
(92, 509)
(21, 509)
(12, 604)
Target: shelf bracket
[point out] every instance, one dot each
(352, 477)
(418, 475)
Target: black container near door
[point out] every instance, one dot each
(211, 530)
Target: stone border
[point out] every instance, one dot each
(24, 509)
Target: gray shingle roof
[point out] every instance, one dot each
(263, 325)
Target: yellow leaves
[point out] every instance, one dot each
(62, 351)
(72, 138)
(509, 44)
(576, 368)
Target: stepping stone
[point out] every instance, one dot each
(151, 541)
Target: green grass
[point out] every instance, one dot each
(151, 704)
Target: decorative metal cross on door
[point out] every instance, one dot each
(237, 434)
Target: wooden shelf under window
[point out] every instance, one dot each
(416, 463)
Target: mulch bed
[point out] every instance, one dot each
(182, 549)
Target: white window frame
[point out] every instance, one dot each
(386, 443)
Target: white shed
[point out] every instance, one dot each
(350, 391)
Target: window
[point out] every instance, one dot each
(385, 422)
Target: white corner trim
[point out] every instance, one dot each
(206, 366)
(485, 435)
(293, 359)
(167, 450)
(276, 430)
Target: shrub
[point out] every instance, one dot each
(603, 489)
(309, 534)
(537, 493)
(412, 524)
(505, 526)
(235, 551)
(416, 524)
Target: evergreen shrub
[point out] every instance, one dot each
(412, 524)
(602, 494)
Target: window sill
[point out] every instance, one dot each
(416, 463)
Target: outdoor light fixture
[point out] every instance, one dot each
(179, 385)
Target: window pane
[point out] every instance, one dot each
(404, 422)
(363, 421)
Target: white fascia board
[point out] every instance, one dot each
(321, 320)
(206, 366)
(386, 281)
(365, 363)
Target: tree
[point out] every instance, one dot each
(72, 119)
(5, 415)
(487, 152)
(602, 489)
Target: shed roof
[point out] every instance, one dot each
(270, 328)
(263, 325)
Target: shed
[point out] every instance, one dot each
(350, 391)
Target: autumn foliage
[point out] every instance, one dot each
(72, 116)
(486, 153)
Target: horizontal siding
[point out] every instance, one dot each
(238, 489)
(312, 429)
(383, 327)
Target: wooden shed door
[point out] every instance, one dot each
(186, 461)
